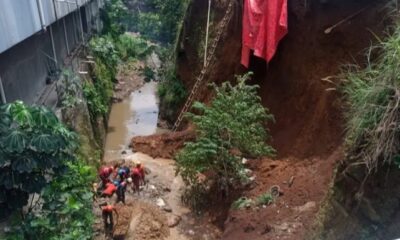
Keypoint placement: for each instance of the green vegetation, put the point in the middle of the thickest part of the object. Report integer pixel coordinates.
(241, 203)
(34, 147)
(172, 93)
(66, 212)
(234, 120)
(38, 169)
(244, 202)
(373, 96)
(265, 199)
(114, 16)
(71, 84)
(157, 20)
(133, 47)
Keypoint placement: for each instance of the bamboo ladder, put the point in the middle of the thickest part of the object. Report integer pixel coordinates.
(200, 79)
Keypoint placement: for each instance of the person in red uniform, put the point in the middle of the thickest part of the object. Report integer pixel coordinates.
(104, 174)
(107, 214)
(136, 176)
(142, 172)
(109, 190)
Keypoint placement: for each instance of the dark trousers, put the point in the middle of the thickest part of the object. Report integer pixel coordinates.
(108, 221)
(121, 194)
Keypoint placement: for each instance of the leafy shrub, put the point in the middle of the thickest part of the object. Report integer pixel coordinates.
(234, 120)
(241, 203)
(115, 18)
(68, 91)
(148, 74)
(372, 94)
(149, 25)
(265, 199)
(34, 147)
(103, 49)
(66, 212)
(94, 101)
(158, 20)
(133, 47)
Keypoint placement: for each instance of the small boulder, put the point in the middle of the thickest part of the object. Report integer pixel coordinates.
(173, 221)
(160, 203)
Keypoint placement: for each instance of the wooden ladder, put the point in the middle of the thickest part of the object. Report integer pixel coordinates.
(199, 80)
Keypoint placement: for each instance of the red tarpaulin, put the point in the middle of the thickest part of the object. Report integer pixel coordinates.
(264, 25)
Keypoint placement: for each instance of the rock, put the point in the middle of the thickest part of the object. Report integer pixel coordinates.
(167, 209)
(267, 229)
(123, 152)
(191, 232)
(167, 189)
(173, 221)
(248, 228)
(282, 227)
(306, 207)
(245, 161)
(160, 202)
(248, 172)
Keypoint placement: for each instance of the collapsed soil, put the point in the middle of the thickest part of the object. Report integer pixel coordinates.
(163, 145)
(303, 184)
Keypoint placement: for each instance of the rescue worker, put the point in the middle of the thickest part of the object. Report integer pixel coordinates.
(136, 178)
(109, 190)
(107, 215)
(123, 172)
(104, 174)
(140, 168)
(121, 189)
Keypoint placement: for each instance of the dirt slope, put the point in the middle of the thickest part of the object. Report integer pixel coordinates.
(308, 130)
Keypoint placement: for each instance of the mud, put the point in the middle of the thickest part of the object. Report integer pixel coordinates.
(163, 145)
(142, 218)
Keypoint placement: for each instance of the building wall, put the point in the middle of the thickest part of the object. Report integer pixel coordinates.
(25, 67)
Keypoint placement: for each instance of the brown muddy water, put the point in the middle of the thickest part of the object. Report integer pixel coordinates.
(135, 116)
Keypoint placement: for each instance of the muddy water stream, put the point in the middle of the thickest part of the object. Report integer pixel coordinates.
(135, 116)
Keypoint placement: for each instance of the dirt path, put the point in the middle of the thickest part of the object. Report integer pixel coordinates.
(157, 213)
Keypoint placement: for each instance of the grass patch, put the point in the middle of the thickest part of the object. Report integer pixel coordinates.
(265, 199)
(372, 95)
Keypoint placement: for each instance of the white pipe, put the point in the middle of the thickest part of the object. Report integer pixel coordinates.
(2, 94)
(66, 35)
(53, 45)
(208, 26)
(41, 17)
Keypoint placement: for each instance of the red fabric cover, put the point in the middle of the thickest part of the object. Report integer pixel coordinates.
(264, 25)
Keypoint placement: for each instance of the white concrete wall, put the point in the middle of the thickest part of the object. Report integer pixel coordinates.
(20, 19)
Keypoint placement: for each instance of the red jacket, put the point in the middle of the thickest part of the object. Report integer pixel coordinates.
(110, 189)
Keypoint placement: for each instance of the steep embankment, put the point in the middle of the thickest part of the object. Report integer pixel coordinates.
(308, 130)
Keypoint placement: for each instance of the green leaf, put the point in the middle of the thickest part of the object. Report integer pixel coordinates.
(24, 165)
(45, 143)
(21, 113)
(44, 117)
(16, 141)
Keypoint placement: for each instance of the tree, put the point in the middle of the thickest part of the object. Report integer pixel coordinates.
(234, 121)
(115, 18)
(34, 147)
